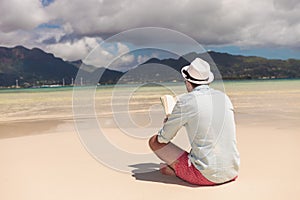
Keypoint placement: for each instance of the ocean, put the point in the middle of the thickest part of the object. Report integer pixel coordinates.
(275, 99)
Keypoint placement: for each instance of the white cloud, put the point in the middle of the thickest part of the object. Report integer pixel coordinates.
(21, 14)
(76, 50)
(233, 22)
(114, 56)
(122, 48)
(143, 58)
(15, 38)
(287, 5)
(221, 22)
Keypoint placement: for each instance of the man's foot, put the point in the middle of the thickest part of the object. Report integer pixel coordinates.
(166, 169)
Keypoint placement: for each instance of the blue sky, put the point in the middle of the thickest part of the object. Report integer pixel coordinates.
(70, 29)
(46, 2)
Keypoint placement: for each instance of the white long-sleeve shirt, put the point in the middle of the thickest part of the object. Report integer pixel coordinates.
(208, 117)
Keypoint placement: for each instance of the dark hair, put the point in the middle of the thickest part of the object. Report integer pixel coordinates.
(193, 84)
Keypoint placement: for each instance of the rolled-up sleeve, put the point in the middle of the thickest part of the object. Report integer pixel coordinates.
(175, 121)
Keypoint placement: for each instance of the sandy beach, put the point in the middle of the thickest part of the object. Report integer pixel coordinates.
(42, 156)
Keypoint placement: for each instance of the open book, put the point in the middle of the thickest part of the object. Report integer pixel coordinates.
(168, 102)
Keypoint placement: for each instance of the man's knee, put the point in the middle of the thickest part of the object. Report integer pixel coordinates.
(152, 142)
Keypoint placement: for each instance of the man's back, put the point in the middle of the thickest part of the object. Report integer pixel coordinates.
(211, 128)
(208, 117)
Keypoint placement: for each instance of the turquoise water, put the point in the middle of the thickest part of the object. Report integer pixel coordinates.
(237, 84)
(273, 97)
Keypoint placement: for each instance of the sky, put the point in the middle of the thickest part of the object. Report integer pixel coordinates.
(70, 29)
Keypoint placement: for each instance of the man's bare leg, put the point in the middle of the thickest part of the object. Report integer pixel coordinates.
(169, 153)
(166, 169)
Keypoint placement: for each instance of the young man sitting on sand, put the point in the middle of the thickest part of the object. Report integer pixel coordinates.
(208, 117)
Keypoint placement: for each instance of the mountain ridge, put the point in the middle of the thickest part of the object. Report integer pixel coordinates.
(35, 67)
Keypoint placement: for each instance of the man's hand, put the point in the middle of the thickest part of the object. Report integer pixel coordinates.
(165, 120)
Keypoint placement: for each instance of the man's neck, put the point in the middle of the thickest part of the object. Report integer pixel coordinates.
(201, 86)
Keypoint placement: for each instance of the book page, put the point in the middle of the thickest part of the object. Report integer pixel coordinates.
(168, 102)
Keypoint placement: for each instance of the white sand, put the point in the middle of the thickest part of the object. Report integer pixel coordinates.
(56, 166)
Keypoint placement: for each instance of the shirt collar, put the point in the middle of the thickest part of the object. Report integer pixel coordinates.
(201, 87)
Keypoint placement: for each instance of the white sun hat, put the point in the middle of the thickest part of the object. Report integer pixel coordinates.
(198, 72)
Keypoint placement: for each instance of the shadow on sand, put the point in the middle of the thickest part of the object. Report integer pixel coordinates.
(150, 172)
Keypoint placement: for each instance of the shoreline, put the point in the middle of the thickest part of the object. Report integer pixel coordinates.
(255, 104)
(69, 87)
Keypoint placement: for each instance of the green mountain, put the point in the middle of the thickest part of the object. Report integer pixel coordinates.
(33, 67)
(253, 67)
(239, 67)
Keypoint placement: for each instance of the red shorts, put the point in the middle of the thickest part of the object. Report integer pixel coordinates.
(190, 173)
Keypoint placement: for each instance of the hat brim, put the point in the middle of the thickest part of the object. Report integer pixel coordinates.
(209, 80)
